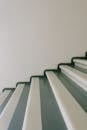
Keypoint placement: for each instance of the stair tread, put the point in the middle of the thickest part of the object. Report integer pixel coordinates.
(81, 65)
(78, 93)
(32, 120)
(2, 106)
(3, 96)
(81, 61)
(79, 77)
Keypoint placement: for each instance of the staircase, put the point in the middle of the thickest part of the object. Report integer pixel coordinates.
(56, 100)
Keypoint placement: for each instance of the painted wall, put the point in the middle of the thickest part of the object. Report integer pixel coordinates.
(38, 34)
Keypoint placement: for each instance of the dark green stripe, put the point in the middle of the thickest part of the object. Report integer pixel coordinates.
(51, 116)
(77, 92)
(5, 101)
(18, 116)
(81, 69)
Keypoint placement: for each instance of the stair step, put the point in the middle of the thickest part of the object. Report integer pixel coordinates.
(74, 116)
(32, 120)
(75, 75)
(8, 112)
(81, 63)
(50, 113)
(78, 93)
(4, 98)
(18, 116)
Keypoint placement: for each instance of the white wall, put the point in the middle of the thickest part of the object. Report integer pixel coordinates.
(38, 34)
